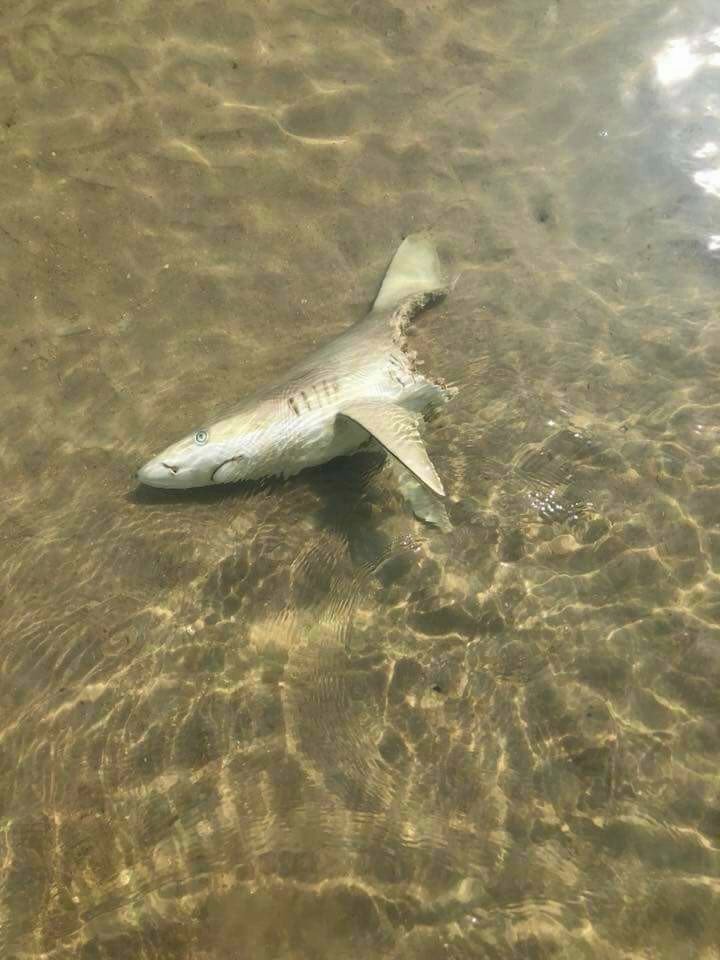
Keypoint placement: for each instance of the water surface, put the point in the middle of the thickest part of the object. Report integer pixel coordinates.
(289, 721)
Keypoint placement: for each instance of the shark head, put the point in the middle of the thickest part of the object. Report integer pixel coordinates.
(221, 453)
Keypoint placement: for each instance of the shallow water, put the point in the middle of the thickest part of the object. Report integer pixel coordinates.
(290, 721)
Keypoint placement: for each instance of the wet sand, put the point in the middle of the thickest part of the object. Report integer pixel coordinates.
(288, 721)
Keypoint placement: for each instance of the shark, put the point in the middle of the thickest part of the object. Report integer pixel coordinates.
(361, 390)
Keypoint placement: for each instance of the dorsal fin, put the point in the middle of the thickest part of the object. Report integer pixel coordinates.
(415, 268)
(396, 430)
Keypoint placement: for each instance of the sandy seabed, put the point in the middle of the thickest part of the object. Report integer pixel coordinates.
(289, 722)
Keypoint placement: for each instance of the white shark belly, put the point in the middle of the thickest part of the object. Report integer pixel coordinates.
(318, 436)
(310, 440)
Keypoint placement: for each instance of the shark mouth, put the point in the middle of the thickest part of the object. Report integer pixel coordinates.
(228, 471)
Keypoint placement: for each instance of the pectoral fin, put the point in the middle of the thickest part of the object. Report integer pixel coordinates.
(396, 430)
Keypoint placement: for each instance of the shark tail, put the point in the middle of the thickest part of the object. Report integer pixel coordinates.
(415, 268)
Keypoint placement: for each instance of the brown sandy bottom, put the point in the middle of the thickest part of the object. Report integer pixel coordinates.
(291, 722)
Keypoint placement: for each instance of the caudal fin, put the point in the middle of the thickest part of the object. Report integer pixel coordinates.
(415, 268)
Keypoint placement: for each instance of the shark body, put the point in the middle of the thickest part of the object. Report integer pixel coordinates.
(362, 388)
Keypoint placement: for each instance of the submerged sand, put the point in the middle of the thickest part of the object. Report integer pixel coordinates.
(290, 722)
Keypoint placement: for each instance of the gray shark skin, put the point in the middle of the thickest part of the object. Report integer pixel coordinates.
(361, 389)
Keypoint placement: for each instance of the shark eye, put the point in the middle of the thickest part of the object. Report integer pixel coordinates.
(201, 437)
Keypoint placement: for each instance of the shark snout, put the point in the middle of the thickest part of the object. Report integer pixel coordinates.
(158, 473)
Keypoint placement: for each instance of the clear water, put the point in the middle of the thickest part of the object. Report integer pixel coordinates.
(291, 722)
